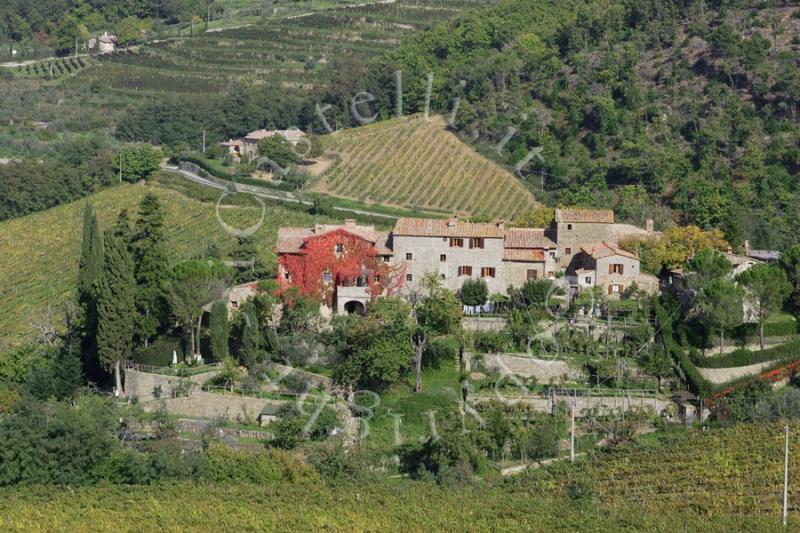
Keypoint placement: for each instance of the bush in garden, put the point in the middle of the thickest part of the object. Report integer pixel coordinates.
(474, 292)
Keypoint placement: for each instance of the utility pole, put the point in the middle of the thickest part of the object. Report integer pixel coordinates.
(785, 473)
(120, 166)
(572, 432)
(204, 141)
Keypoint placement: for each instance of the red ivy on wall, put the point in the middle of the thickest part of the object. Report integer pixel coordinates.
(344, 259)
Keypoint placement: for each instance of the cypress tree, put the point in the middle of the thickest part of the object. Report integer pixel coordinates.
(220, 330)
(251, 335)
(122, 228)
(91, 262)
(151, 273)
(89, 270)
(116, 306)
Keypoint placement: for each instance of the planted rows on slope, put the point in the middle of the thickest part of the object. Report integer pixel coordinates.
(39, 253)
(415, 162)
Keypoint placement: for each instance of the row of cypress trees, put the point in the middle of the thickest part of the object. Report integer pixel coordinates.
(122, 287)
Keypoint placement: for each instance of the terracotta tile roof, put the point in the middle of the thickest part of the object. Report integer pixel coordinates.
(599, 250)
(527, 238)
(367, 233)
(622, 231)
(426, 227)
(523, 255)
(603, 216)
(290, 239)
(289, 135)
(383, 244)
(737, 260)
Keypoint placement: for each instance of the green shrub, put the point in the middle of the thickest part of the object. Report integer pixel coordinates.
(222, 464)
(779, 325)
(335, 463)
(474, 292)
(441, 350)
(492, 341)
(159, 353)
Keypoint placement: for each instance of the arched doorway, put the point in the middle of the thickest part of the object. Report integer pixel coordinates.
(354, 307)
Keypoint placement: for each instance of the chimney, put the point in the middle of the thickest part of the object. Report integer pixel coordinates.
(451, 222)
(648, 225)
(747, 248)
(501, 224)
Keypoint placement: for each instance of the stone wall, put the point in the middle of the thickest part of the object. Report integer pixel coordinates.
(581, 234)
(201, 404)
(605, 278)
(141, 384)
(425, 257)
(517, 272)
(583, 404)
(483, 323)
(722, 375)
(544, 370)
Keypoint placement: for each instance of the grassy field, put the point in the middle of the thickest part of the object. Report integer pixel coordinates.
(398, 505)
(416, 163)
(440, 393)
(39, 253)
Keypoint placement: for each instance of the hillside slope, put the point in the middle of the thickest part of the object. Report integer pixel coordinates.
(39, 252)
(677, 111)
(414, 162)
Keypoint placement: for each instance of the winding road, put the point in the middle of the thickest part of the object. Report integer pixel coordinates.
(261, 192)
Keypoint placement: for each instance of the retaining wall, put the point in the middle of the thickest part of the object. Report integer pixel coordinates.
(141, 384)
(722, 375)
(202, 404)
(544, 370)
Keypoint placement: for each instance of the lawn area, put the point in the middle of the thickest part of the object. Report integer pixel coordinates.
(440, 392)
(39, 252)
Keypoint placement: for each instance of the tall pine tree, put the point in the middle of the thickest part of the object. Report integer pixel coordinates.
(89, 270)
(152, 272)
(116, 306)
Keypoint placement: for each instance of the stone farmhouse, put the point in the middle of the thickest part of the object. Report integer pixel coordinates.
(104, 44)
(348, 265)
(249, 145)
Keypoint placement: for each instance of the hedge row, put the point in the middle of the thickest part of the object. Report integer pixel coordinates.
(782, 328)
(743, 357)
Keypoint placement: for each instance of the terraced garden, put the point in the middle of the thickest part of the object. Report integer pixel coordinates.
(288, 52)
(51, 69)
(39, 253)
(422, 165)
